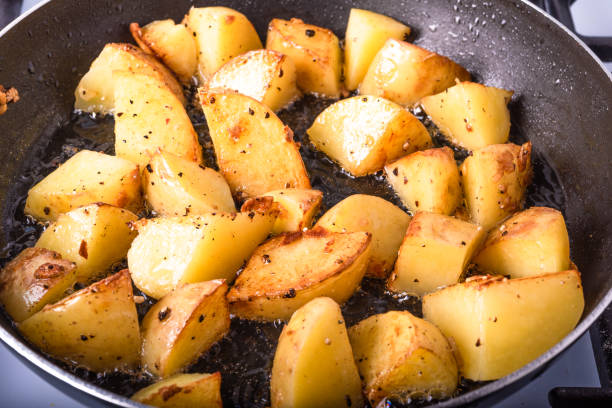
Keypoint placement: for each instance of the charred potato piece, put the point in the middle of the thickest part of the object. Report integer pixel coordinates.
(95, 328)
(87, 177)
(291, 269)
(365, 132)
(183, 325)
(315, 52)
(400, 357)
(183, 391)
(404, 73)
(313, 364)
(499, 324)
(386, 222)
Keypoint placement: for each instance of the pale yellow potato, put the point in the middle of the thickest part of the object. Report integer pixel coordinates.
(87, 177)
(495, 180)
(265, 75)
(315, 52)
(386, 222)
(183, 325)
(93, 237)
(297, 208)
(313, 364)
(293, 268)
(176, 186)
(183, 391)
(427, 180)
(400, 357)
(366, 33)
(173, 44)
(404, 73)
(176, 250)
(33, 279)
(498, 325)
(221, 34)
(363, 133)
(96, 90)
(149, 117)
(95, 328)
(255, 151)
(530, 243)
(471, 115)
(435, 252)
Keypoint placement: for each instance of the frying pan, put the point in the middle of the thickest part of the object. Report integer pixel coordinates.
(562, 104)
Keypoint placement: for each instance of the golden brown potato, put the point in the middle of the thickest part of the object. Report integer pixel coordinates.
(366, 33)
(495, 180)
(314, 365)
(93, 237)
(183, 391)
(148, 117)
(427, 181)
(386, 222)
(255, 151)
(33, 279)
(434, 253)
(95, 328)
(176, 186)
(291, 269)
(532, 242)
(183, 325)
(404, 73)
(315, 52)
(96, 90)
(400, 357)
(471, 115)
(365, 132)
(265, 75)
(499, 324)
(87, 177)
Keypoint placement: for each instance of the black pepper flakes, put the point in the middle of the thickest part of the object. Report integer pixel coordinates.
(310, 33)
(84, 337)
(163, 314)
(180, 174)
(396, 171)
(46, 210)
(149, 168)
(266, 258)
(212, 100)
(267, 115)
(348, 400)
(478, 343)
(251, 112)
(201, 318)
(281, 73)
(290, 294)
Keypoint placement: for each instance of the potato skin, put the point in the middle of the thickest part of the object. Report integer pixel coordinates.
(183, 390)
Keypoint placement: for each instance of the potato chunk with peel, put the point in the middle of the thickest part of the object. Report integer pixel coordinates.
(96, 90)
(183, 391)
(315, 52)
(435, 252)
(498, 324)
(221, 34)
(366, 33)
(427, 181)
(363, 133)
(95, 328)
(147, 118)
(386, 222)
(532, 242)
(471, 115)
(87, 177)
(183, 325)
(314, 365)
(93, 237)
(33, 279)
(265, 75)
(175, 250)
(400, 357)
(291, 269)
(255, 150)
(495, 180)
(176, 186)
(404, 73)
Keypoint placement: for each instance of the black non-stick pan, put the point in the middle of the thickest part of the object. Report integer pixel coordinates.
(562, 103)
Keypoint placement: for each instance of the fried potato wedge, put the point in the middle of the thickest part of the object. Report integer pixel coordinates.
(87, 177)
(183, 325)
(183, 391)
(291, 269)
(313, 364)
(400, 357)
(95, 328)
